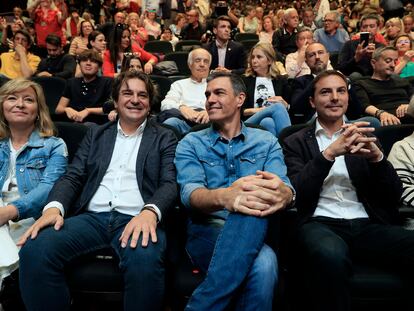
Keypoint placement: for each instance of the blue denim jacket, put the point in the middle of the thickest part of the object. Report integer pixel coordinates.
(38, 166)
(205, 160)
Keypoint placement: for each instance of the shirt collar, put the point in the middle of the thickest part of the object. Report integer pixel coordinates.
(196, 82)
(138, 131)
(221, 46)
(215, 135)
(319, 130)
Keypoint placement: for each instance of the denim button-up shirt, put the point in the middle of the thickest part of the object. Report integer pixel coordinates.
(42, 161)
(206, 160)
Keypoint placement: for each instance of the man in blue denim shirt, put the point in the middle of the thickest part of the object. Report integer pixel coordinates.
(231, 178)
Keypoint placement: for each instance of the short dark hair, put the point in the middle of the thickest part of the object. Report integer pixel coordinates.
(236, 81)
(124, 77)
(54, 40)
(90, 55)
(221, 18)
(92, 37)
(327, 73)
(369, 16)
(378, 52)
(26, 34)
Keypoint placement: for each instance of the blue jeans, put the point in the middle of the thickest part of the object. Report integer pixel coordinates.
(273, 118)
(42, 262)
(239, 264)
(179, 124)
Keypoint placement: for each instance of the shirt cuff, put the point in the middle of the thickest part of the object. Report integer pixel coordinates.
(56, 204)
(156, 209)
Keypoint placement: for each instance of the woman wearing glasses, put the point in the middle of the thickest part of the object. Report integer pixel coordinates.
(119, 45)
(405, 66)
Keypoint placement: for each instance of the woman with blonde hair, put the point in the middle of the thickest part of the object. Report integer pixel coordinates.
(31, 160)
(405, 64)
(393, 28)
(267, 89)
(249, 22)
(268, 28)
(139, 34)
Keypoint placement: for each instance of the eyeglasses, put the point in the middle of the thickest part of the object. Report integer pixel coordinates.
(328, 20)
(129, 54)
(404, 41)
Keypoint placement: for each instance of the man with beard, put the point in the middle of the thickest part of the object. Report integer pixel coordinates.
(385, 95)
(317, 58)
(56, 64)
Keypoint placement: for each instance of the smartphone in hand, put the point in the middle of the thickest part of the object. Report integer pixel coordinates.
(364, 39)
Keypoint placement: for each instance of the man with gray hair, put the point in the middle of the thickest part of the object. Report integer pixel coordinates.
(284, 39)
(385, 95)
(331, 36)
(183, 106)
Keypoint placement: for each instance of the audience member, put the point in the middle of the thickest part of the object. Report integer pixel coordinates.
(401, 157)
(308, 19)
(57, 63)
(47, 20)
(331, 35)
(80, 43)
(178, 25)
(249, 23)
(317, 59)
(408, 21)
(84, 96)
(184, 104)
(267, 91)
(295, 62)
(227, 55)
(97, 42)
(139, 34)
(364, 7)
(355, 56)
(347, 197)
(150, 24)
(119, 44)
(405, 62)
(194, 29)
(268, 28)
(284, 38)
(118, 188)
(385, 95)
(230, 201)
(32, 160)
(70, 26)
(19, 63)
(108, 27)
(393, 28)
(321, 8)
(9, 30)
(167, 35)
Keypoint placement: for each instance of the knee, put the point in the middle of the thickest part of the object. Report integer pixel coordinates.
(331, 258)
(172, 122)
(268, 124)
(37, 252)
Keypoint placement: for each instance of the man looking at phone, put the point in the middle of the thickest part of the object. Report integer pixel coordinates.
(355, 56)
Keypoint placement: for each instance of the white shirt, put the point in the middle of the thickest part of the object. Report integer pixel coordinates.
(338, 198)
(221, 51)
(118, 190)
(185, 92)
(262, 91)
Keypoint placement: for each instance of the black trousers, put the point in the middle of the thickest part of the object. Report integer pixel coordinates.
(327, 247)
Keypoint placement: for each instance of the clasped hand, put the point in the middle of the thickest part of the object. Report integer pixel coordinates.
(258, 195)
(354, 140)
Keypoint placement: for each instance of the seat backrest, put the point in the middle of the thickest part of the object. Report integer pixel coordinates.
(248, 44)
(72, 134)
(287, 131)
(180, 58)
(389, 135)
(163, 84)
(53, 88)
(246, 36)
(187, 45)
(156, 46)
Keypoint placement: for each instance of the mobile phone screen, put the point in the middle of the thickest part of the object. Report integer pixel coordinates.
(364, 37)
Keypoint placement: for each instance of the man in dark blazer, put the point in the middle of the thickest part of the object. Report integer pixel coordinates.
(117, 190)
(347, 197)
(227, 55)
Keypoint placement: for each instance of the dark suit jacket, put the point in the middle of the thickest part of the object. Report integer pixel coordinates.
(301, 110)
(155, 168)
(377, 184)
(235, 56)
(280, 86)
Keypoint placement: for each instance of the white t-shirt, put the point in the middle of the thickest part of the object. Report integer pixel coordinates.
(262, 91)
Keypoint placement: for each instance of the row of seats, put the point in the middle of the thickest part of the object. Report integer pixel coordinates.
(96, 278)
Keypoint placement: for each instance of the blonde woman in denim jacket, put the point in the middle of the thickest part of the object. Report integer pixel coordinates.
(31, 160)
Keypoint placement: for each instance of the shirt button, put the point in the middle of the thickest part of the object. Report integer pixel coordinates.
(231, 165)
(21, 170)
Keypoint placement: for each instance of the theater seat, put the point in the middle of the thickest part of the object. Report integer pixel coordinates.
(53, 88)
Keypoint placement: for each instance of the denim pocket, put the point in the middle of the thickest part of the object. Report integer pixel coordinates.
(35, 168)
(250, 163)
